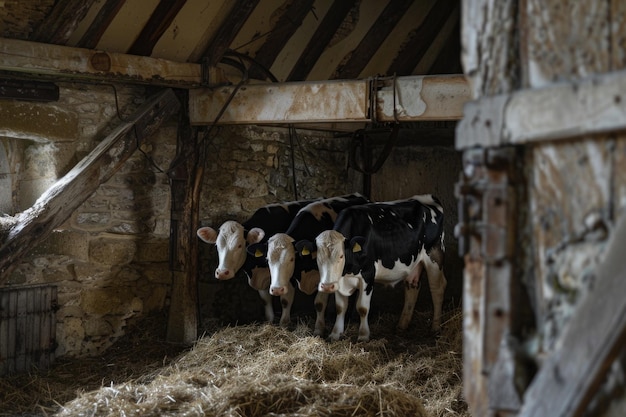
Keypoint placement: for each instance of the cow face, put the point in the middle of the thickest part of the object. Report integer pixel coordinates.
(281, 258)
(330, 259)
(231, 246)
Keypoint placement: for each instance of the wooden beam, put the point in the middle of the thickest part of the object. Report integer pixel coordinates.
(592, 106)
(98, 66)
(374, 38)
(158, 23)
(420, 40)
(591, 341)
(58, 26)
(228, 30)
(56, 205)
(282, 31)
(105, 16)
(417, 98)
(320, 39)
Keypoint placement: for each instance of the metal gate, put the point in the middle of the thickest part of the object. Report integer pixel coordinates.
(27, 327)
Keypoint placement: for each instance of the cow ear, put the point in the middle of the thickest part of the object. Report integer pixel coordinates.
(356, 244)
(257, 250)
(255, 235)
(207, 234)
(305, 247)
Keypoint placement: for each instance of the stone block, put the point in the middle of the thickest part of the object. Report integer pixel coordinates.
(97, 327)
(108, 301)
(112, 251)
(154, 250)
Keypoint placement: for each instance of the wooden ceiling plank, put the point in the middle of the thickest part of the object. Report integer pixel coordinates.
(159, 21)
(69, 192)
(228, 30)
(100, 24)
(276, 40)
(62, 21)
(374, 38)
(324, 33)
(98, 66)
(420, 40)
(448, 59)
(417, 98)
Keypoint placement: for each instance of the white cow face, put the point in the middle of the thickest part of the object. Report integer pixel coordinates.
(231, 246)
(330, 259)
(281, 258)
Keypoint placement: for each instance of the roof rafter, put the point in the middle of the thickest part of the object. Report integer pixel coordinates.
(158, 23)
(320, 39)
(62, 21)
(374, 38)
(420, 40)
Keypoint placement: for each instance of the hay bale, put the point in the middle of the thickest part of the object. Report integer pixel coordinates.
(259, 370)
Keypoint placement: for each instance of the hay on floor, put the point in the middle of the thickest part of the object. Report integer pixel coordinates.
(259, 370)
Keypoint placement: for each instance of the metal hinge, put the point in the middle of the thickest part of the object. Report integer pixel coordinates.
(486, 198)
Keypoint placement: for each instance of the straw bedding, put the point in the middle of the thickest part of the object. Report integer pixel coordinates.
(258, 370)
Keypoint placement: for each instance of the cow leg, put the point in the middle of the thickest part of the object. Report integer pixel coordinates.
(437, 284)
(341, 305)
(363, 307)
(269, 309)
(321, 301)
(411, 291)
(286, 301)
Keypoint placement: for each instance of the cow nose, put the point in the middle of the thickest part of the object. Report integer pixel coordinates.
(277, 290)
(328, 287)
(222, 273)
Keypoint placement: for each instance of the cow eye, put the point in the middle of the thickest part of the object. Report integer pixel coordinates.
(340, 256)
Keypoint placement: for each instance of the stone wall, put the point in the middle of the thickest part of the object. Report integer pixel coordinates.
(109, 260)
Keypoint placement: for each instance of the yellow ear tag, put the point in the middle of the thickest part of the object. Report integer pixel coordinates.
(258, 253)
(356, 248)
(306, 251)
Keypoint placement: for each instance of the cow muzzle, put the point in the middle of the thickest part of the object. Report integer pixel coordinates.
(328, 288)
(278, 291)
(223, 274)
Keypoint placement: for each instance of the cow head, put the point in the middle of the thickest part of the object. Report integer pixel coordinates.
(334, 252)
(231, 243)
(281, 258)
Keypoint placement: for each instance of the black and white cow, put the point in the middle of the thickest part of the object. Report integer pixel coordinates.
(289, 267)
(385, 243)
(232, 239)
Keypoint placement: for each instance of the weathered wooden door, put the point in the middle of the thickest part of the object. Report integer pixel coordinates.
(542, 206)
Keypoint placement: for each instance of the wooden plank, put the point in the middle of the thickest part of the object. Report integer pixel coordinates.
(103, 19)
(320, 39)
(374, 38)
(77, 63)
(419, 41)
(69, 192)
(490, 49)
(592, 339)
(417, 98)
(158, 23)
(59, 25)
(276, 40)
(592, 106)
(228, 30)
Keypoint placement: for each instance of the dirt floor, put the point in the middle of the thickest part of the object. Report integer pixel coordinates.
(255, 370)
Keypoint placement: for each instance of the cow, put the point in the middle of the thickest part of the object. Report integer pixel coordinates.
(288, 270)
(232, 238)
(386, 243)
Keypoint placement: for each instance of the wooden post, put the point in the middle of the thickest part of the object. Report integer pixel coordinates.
(185, 181)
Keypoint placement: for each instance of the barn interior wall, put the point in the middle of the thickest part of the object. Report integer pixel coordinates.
(250, 167)
(109, 259)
